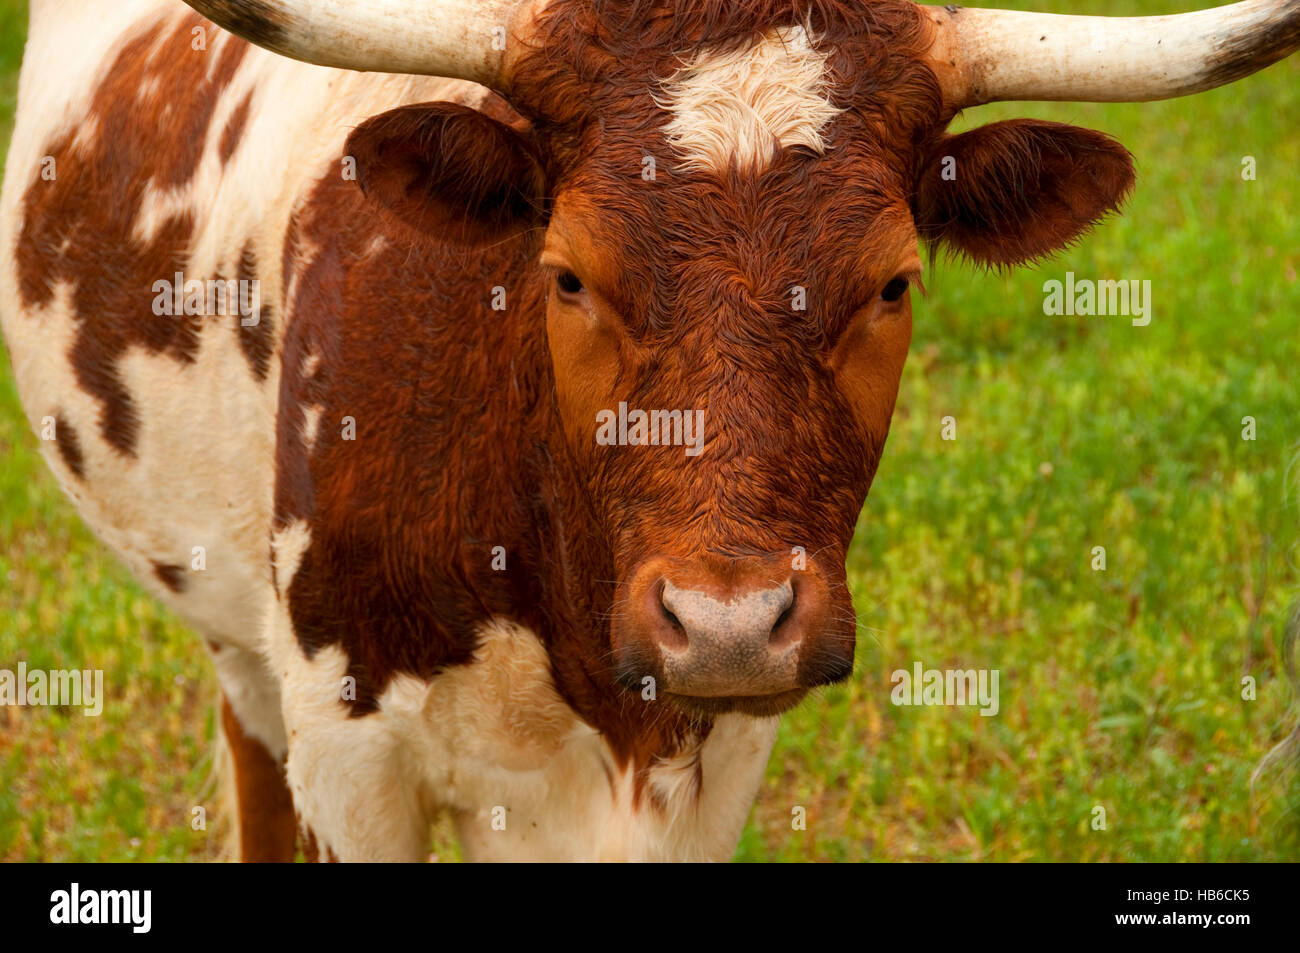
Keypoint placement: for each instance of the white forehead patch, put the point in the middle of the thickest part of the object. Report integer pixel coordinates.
(742, 105)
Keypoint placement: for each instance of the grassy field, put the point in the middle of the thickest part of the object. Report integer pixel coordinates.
(1120, 689)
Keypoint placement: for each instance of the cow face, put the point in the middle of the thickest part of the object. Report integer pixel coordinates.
(728, 248)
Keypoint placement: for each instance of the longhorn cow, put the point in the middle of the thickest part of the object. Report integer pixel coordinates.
(330, 304)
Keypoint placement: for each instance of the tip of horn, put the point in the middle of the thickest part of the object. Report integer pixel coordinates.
(984, 55)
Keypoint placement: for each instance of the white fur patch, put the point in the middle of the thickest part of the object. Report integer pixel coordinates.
(287, 546)
(494, 742)
(253, 692)
(741, 106)
(311, 425)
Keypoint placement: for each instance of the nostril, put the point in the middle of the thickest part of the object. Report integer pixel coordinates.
(670, 633)
(783, 632)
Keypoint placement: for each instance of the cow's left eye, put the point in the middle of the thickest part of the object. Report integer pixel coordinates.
(568, 283)
(894, 290)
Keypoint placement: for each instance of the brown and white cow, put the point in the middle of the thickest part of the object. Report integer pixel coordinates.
(377, 487)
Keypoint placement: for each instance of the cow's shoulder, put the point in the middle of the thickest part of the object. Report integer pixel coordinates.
(402, 436)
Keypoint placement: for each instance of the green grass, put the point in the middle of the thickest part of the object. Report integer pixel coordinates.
(1119, 689)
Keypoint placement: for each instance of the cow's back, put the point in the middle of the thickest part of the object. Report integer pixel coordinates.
(153, 152)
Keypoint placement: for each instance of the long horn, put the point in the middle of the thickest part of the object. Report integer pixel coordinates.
(984, 56)
(462, 39)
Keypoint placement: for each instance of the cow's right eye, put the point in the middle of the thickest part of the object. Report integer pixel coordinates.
(568, 283)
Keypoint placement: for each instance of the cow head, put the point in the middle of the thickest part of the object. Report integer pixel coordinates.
(725, 202)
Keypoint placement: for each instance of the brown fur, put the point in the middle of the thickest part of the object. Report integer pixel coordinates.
(69, 446)
(257, 336)
(234, 131)
(267, 823)
(171, 576)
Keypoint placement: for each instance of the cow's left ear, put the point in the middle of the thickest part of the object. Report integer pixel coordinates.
(449, 171)
(1010, 192)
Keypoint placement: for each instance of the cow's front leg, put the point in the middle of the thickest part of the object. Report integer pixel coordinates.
(254, 736)
(352, 780)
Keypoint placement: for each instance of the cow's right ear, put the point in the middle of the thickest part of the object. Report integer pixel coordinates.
(449, 172)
